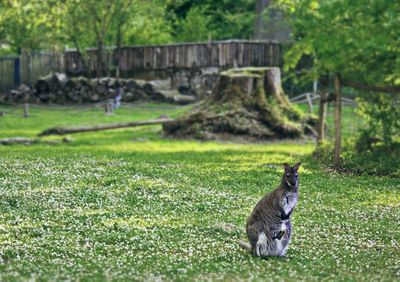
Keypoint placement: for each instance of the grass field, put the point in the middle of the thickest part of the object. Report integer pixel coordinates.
(130, 205)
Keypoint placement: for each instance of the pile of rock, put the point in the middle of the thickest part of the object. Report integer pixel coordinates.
(59, 89)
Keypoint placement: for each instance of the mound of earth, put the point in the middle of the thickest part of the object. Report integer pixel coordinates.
(247, 102)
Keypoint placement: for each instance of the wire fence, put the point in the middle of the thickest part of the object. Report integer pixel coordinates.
(307, 97)
(351, 122)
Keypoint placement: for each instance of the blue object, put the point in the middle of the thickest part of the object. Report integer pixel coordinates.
(117, 98)
(17, 72)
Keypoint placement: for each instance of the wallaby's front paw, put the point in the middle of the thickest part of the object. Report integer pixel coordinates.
(280, 234)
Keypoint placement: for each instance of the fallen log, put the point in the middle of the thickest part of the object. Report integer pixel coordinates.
(184, 99)
(64, 131)
(18, 140)
(30, 141)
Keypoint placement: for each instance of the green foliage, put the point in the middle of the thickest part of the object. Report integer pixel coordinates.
(29, 24)
(356, 38)
(195, 26)
(382, 118)
(74, 30)
(131, 22)
(125, 204)
(362, 159)
(380, 160)
(44, 24)
(363, 151)
(147, 24)
(225, 19)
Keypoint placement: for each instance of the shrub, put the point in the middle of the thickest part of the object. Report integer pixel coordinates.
(195, 27)
(382, 118)
(376, 147)
(380, 159)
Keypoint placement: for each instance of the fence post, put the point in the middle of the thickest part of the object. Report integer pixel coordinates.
(235, 64)
(109, 107)
(322, 115)
(338, 118)
(315, 86)
(309, 100)
(17, 72)
(26, 110)
(310, 104)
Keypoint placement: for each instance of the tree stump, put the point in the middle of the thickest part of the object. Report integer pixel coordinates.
(247, 102)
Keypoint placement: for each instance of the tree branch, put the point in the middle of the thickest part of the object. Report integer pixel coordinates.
(364, 86)
(374, 88)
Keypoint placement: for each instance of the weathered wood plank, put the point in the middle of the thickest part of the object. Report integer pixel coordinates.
(222, 54)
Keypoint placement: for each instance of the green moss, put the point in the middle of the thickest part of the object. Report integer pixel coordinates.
(234, 74)
(248, 72)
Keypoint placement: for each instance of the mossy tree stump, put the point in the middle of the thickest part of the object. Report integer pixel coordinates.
(246, 102)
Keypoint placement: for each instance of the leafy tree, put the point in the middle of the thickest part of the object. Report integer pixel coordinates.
(227, 19)
(113, 23)
(270, 23)
(382, 119)
(195, 25)
(349, 37)
(99, 15)
(74, 29)
(28, 24)
(357, 42)
(148, 23)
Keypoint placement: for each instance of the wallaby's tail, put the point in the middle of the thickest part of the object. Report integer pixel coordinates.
(245, 246)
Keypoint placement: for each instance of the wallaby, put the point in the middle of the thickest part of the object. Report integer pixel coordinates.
(268, 228)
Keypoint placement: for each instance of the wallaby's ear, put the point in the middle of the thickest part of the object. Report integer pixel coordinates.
(296, 166)
(287, 167)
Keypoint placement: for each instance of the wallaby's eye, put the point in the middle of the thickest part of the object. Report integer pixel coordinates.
(296, 175)
(287, 174)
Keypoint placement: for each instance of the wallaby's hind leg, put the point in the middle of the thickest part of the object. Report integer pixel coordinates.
(252, 235)
(262, 246)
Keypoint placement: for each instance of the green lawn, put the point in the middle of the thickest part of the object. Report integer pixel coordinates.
(129, 205)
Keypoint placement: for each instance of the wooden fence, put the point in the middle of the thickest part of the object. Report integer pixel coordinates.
(28, 67)
(8, 72)
(222, 54)
(37, 64)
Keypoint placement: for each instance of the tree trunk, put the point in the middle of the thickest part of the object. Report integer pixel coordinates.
(270, 23)
(245, 102)
(51, 82)
(99, 65)
(261, 6)
(18, 140)
(28, 141)
(322, 115)
(338, 117)
(80, 56)
(117, 54)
